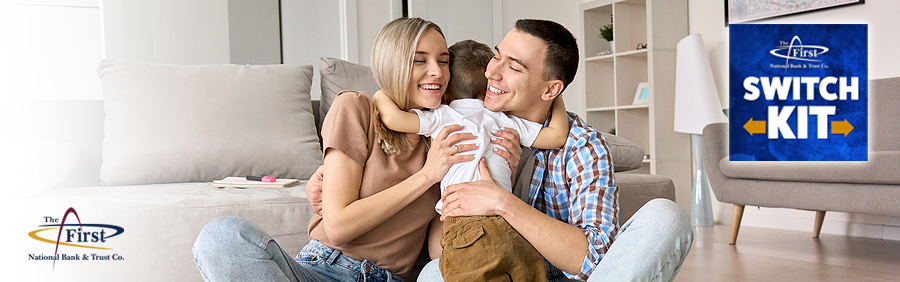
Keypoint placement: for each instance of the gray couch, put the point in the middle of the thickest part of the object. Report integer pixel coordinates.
(158, 190)
(871, 187)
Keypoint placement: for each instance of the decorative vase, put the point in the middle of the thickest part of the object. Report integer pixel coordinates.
(612, 46)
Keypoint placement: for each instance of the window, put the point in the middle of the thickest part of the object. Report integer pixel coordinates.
(50, 49)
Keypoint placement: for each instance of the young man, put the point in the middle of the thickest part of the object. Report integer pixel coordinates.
(570, 215)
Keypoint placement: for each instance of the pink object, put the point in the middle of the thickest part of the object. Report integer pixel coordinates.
(268, 179)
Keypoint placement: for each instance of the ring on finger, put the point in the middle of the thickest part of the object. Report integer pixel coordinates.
(457, 148)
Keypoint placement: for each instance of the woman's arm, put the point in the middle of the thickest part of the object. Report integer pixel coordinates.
(393, 117)
(555, 134)
(347, 216)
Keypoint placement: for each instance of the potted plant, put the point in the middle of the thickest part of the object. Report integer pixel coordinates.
(606, 32)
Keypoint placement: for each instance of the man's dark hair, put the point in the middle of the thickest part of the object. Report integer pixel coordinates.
(468, 61)
(561, 61)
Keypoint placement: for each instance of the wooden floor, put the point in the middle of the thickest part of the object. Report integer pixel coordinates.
(763, 254)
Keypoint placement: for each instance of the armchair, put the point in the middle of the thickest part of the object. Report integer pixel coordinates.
(871, 187)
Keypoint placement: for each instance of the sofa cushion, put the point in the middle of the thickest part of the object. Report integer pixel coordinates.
(338, 75)
(168, 123)
(635, 190)
(625, 154)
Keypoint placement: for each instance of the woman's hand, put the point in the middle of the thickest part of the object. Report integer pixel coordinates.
(508, 138)
(444, 152)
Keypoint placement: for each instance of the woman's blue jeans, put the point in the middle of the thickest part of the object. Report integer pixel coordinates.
(233, 249)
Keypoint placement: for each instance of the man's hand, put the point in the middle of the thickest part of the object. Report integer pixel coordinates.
(482, 197)
(314, 189)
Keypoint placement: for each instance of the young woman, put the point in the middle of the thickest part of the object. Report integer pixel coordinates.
(379, 191)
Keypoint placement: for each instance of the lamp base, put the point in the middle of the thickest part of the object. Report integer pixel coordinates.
(701, 206)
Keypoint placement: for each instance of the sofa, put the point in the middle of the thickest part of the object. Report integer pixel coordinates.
(870, 187)
(167, 131)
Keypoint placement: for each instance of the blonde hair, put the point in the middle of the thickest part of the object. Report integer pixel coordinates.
(392, 59)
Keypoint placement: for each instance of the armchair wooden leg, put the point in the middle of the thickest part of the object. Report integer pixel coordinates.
(736, 214)
(820, 217)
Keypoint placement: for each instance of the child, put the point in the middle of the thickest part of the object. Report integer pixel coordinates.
(479, 248)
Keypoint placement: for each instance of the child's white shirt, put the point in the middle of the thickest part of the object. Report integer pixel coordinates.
(480, 121)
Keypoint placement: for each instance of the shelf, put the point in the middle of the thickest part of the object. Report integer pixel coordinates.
(630, 72)
(641, 106)
(600, 91)
(608, 57)
(630, 24)
(601, 109)
(611, 80)
(603, 121)
(596, 15)
(625, 107)
(632, 53)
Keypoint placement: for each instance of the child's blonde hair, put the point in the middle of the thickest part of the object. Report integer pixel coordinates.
(392, 59)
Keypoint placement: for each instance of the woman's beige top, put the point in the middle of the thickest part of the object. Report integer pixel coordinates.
(394, 244)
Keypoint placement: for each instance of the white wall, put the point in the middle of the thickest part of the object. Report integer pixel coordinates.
(311, 30)
(468, 19)
(460, 19)
(167, 31)
(707, 18)
(371, 16)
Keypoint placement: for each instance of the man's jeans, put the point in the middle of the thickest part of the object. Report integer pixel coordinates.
(233, 249)
(650, 247)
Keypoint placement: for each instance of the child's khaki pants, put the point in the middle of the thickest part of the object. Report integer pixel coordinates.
(487, 248)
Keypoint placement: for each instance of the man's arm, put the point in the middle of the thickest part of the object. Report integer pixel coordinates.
(564, 245)
(393, 117)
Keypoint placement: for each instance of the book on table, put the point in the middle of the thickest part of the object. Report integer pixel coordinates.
(242, 182)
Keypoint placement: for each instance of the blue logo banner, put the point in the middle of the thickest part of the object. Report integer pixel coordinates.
(798, 92)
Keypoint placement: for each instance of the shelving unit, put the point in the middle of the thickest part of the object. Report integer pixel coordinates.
(611, 80)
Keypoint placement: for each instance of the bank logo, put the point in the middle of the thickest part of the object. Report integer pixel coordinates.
(78, 235)
(791, 101)
(789, 51)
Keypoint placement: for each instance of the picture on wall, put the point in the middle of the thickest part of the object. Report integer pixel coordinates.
(738, 11)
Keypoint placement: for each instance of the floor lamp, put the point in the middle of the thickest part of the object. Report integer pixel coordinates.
(696, 105)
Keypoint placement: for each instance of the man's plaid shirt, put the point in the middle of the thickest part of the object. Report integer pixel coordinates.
(575, 184)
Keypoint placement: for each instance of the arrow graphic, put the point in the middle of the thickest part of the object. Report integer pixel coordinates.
(841, 127)
(755, 126)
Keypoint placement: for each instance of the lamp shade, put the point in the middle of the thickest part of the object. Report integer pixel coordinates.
(696, 99)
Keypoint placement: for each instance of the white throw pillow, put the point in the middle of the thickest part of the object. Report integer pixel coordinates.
(169, 123)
